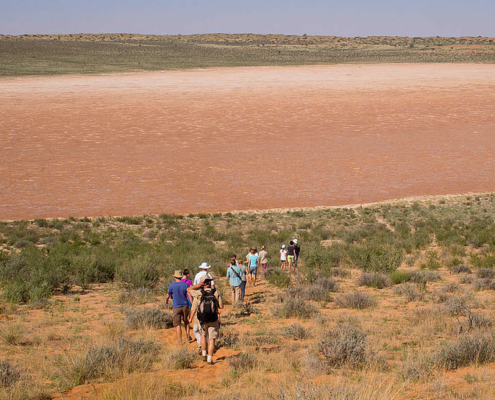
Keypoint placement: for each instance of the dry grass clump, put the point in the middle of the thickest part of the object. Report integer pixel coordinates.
(408, 290)
(345, 345)
(243, 361)
(148, 318)
(179, 358)
(13, 333)
(417, 366)
(340, 273)
(149, 387)
(474, 349)
(136, 296)
(9, 374)
(375, 280)
(227, 339)
(295, 308)
(296, 332)
(479, 321)
(111, 361)
(319, 290)
(357, 300)
(277, 277)
(484, 284)
(455, 306)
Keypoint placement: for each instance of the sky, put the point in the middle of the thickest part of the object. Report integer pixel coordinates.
(291, 17)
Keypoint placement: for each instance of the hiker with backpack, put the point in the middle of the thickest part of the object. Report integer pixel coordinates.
(234, 273)
(178, 292)
(205, 311)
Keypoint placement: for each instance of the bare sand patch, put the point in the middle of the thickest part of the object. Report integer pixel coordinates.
(243, 138)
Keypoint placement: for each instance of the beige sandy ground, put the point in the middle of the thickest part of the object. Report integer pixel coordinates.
(243, 138)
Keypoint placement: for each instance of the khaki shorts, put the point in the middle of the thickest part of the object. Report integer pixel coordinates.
(180, 313)
(290, 258)
(210, 329)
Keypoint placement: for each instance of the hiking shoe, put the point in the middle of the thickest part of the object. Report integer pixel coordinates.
(210, 362)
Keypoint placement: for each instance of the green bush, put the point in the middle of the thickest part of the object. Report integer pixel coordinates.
(277, 277)
(141, 272)
(398, 277)
(295, 308)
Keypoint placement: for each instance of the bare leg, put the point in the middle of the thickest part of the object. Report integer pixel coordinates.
(179, 333)
(211, 347)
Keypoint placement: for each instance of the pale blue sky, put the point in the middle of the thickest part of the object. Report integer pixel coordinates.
(313, 17)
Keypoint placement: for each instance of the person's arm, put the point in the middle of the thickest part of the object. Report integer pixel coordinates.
(194, 308)
(167, 298)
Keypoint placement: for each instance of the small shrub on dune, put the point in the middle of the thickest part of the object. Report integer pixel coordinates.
(296, 331)
(243, 362)
(474, 349)
(340, 273)
(375, 280)
(148, 318)
(409, 290)
(460, 269)
(485, 273)
(484, 284)
(357, 300)
(180, 358)
(425, 276)
(345, 345)
(227, 339)
(295, 308)
(398, 277)
(277, 277)
(111, 361)
(418, 366)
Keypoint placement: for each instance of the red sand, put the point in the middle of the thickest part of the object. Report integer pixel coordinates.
(243, 138)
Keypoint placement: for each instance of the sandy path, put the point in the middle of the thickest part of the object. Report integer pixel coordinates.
(244, 138)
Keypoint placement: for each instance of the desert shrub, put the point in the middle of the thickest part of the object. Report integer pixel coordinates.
(319, 290)
(417, 366)
(296, 331)
(466, 350)
(455, 306)
(111, 361)
(340, 273)
(295, 308)
(466, 279)
(9, 374)
(398, 277)
(243, 362)
(485, 273)
(375, 280)
(358, 300)
(345, 345)
(243, 309)
(148, 318)
(410, 291)
(450, 288)
(138, 273)
(179, 358)
(260, 339)
(317, 257)
(484, 284)
(425, 276)
(277, 277)
(375, 257)
(460, 269)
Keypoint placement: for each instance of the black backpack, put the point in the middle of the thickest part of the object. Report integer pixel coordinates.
(207, 310)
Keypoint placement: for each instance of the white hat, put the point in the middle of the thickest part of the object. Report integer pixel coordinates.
(283, 246)
(295, 240)
(204, 265)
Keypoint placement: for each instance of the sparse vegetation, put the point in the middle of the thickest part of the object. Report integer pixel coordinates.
(356, 299)
(148, 318)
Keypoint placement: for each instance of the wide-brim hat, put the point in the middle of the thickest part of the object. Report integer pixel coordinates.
(178, 274)
(295, 240)
(204, 266)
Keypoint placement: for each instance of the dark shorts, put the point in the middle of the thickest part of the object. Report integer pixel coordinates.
(253, 270)
(180, 313)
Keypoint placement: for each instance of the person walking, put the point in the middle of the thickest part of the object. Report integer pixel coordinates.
(283, 257)
(204, 267)
(178, 292)
(243, 269)
(263, 259)
(253, 263)
(298, 250)
(291, 254)
(205, 310)
(234, 273)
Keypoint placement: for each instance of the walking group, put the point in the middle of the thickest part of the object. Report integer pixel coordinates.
(198, 303)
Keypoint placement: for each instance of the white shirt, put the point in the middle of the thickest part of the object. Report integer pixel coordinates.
(283, 254)
(199, 275)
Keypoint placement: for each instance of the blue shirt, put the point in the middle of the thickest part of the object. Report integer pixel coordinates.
(253, 259)
(178, 292)
(234, 280)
